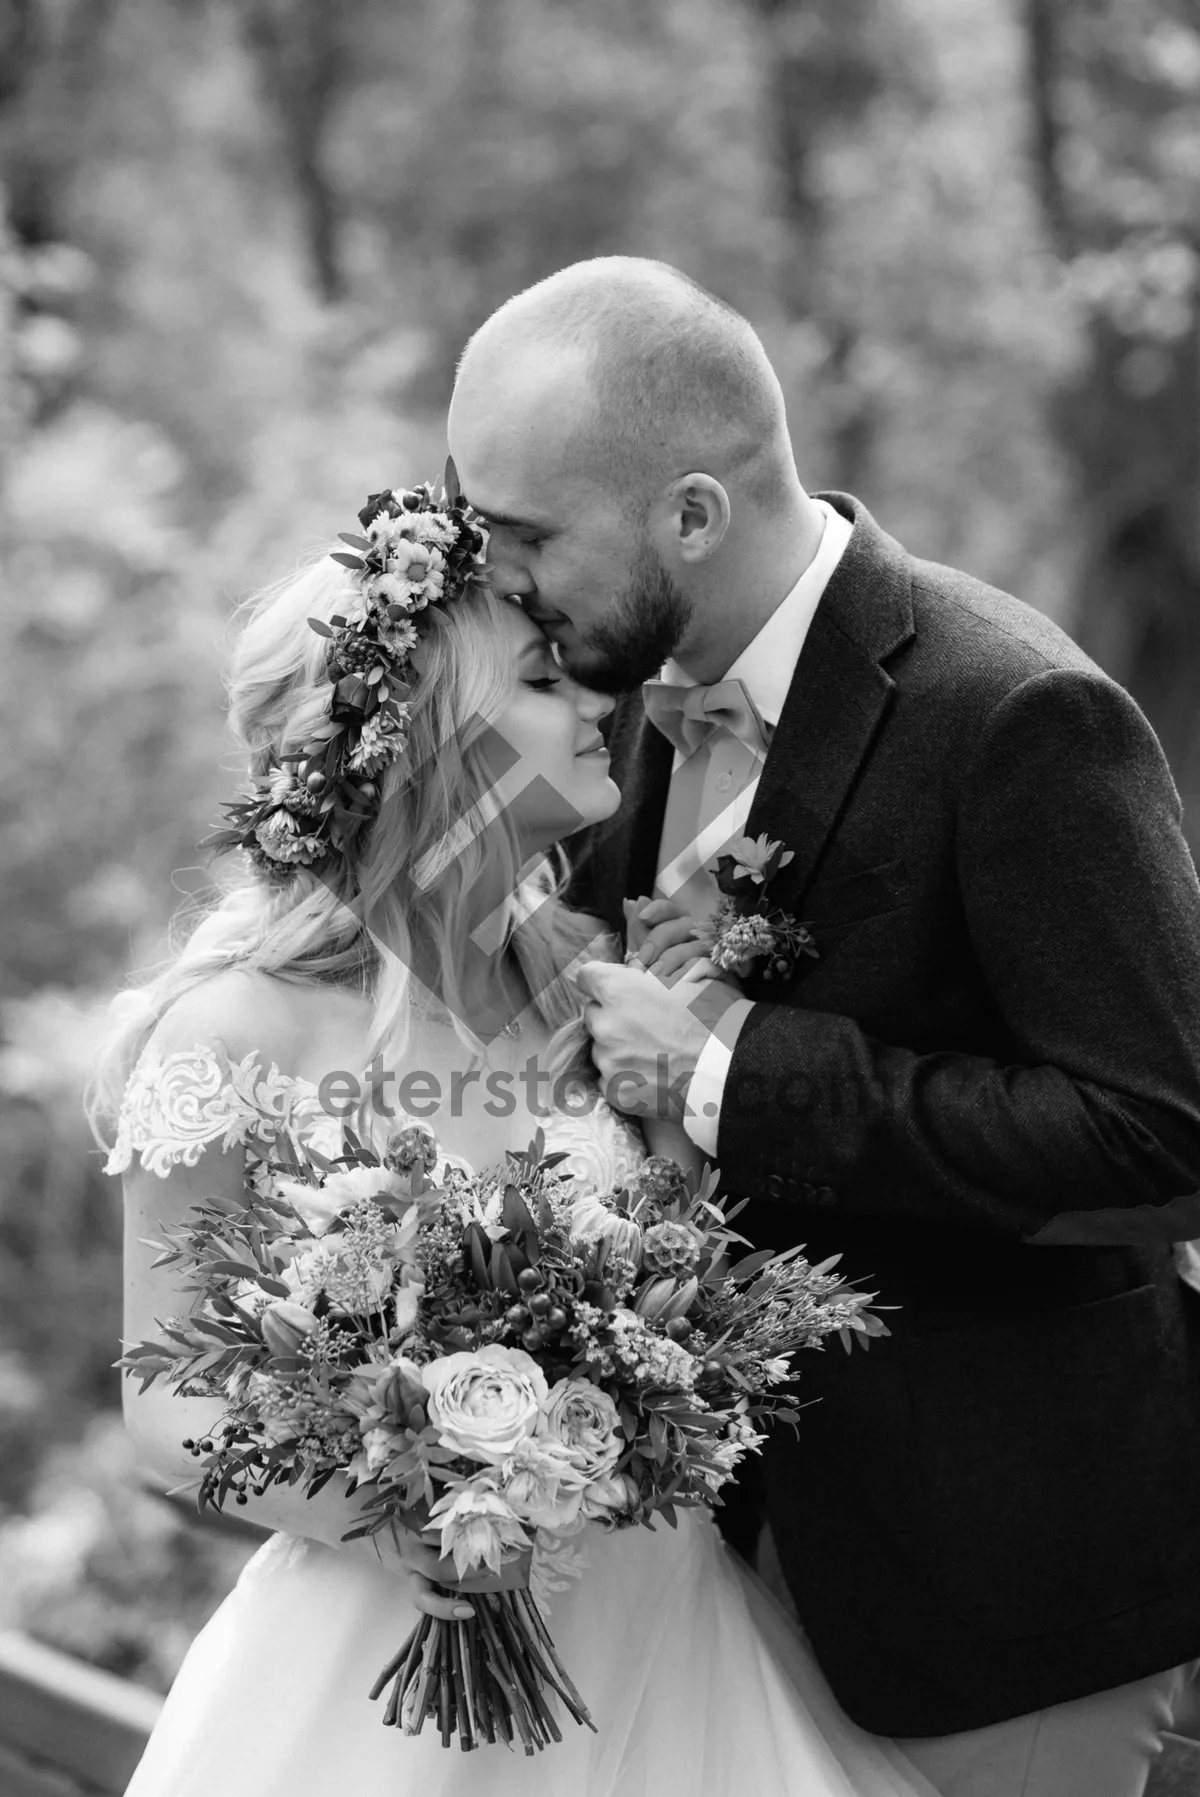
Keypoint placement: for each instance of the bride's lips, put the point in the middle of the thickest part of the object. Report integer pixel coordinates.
(599, 747)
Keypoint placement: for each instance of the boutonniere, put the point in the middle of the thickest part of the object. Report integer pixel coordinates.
(748, 927)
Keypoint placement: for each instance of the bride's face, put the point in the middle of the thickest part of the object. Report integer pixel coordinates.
(551, 764)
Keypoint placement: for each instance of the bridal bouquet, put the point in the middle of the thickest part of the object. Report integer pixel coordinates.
(494, 1360)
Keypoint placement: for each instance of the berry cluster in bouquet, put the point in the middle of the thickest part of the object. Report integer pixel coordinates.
(495, 1360)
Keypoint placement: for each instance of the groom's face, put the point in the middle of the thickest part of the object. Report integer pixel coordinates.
(563, 543)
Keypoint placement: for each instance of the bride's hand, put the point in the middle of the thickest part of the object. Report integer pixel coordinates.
(659, 935)
(406, 1553)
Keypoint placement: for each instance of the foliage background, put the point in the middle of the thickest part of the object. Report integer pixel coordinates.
(240, 245)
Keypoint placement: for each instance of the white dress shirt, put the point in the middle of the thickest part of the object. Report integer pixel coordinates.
(765, 667)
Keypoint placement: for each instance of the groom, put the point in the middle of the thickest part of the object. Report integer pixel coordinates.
(983, 1090)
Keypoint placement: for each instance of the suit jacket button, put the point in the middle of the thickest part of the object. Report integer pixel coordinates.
(826, 1197)
(775, 1186)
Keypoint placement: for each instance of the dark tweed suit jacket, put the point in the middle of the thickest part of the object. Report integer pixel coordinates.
(986, 1094)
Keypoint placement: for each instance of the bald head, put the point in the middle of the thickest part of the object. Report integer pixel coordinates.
(666, 379)
(623, 435)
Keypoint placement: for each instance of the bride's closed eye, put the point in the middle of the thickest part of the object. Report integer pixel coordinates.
(545, 682)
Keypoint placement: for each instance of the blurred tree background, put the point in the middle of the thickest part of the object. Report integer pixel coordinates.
(240, 246)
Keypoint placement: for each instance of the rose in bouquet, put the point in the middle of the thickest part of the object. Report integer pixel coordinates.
(494, 1360)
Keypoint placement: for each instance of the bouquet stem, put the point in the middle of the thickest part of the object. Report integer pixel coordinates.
(487, 1677)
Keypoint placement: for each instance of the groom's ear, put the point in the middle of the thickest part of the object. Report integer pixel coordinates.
(699, 514)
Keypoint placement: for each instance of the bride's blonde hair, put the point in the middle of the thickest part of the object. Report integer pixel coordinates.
(417, 885)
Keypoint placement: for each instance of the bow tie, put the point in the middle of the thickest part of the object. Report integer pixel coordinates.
(687, 715)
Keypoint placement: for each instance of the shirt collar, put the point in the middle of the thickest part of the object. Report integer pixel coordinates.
(768, 662)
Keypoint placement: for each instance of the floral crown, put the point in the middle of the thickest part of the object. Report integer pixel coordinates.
(311, 804)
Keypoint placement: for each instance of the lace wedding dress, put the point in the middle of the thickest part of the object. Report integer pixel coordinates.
(696, 1679)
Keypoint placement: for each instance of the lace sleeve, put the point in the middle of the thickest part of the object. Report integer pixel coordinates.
(177, 1105)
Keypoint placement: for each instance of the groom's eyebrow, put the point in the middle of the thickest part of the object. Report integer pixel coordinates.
(508, 521)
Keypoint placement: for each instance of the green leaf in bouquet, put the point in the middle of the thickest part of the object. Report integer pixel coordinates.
(209, 1326)
(681, 1303)
(223, 1483)
(515, 1216)
(175, 1335)
(745, 1270)
(503, 1276)
(693, 1419)
(710, 1179)
(275, 1288)
(143, 1351)
(354, 1149)
(224, 1206)
(478, 1245)
(285, 1155)
(146, 1375)
(760, 1289)
(232, 1269)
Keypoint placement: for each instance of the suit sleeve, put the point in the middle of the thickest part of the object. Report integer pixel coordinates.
(1082, 907)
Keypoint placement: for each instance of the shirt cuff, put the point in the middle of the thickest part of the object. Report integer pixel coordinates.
(702, 1114)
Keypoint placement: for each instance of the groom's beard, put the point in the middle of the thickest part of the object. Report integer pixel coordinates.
(644, 626)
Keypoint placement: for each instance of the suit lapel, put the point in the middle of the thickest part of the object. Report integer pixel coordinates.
(838, 698)
(623, 854)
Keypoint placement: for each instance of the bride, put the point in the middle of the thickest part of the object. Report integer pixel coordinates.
(417, 926)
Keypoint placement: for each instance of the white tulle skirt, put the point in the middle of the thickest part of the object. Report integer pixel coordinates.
(696, 1679)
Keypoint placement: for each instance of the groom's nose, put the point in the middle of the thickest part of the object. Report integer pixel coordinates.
(509, 571)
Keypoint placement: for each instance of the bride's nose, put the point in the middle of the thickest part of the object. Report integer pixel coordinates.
(592, 706)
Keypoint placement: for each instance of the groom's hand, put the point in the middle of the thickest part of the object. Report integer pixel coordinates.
(647, 1037)
(659, 934)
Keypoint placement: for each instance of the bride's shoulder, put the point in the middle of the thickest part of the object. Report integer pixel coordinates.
(217, 1070)
(242, 1009)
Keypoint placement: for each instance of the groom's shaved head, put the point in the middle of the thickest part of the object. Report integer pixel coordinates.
(676, 381)
(623, 435)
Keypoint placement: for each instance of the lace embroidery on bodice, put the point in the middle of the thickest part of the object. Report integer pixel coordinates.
(177, 1105)
(603, 1150)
